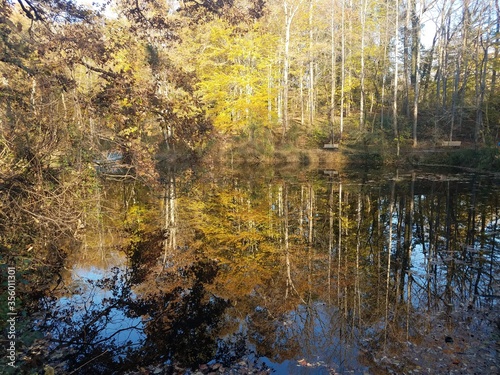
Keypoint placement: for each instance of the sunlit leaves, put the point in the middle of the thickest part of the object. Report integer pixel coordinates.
(233, 69)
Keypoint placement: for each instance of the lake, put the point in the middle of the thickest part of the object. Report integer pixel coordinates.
(290, 271)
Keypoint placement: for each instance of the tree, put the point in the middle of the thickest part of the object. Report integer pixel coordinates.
(396, 78)
(233, 70)
(290, 10)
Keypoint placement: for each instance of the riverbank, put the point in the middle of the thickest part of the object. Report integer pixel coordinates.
(358, 154)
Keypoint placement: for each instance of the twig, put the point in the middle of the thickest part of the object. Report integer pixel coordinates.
(86, 363)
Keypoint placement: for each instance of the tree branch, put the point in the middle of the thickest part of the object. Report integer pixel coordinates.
(32, 13)
(106, 73)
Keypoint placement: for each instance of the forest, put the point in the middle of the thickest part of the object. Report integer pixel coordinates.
(120, 121)
(145, 77)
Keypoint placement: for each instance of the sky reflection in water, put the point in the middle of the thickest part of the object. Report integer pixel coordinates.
(301, 260)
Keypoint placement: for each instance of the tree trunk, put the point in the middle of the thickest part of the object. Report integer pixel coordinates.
(384, 62)
(290, 12)
(395, 98)
(334, 76)
(311, 65)
(362, 72)
(286, 68)
(416, 16)
(342, 70)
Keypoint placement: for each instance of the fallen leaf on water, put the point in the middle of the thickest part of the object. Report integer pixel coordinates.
(302, 362)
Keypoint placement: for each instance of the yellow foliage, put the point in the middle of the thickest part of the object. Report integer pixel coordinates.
(234, 75)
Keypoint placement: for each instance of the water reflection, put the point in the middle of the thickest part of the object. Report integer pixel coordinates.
(311, 272)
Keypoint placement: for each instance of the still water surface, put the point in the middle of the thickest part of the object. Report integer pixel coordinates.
(304, 272)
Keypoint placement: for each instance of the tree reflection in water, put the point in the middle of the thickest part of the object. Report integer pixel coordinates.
(120, 329)
(305, 272)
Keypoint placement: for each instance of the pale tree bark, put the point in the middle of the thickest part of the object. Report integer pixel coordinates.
(269, 93)
(362, 72)
(407, 56)
(301, 211)
(461, 68)
(170, 219)
(311, 65)
(483, 45)
(301, 93)
(496, 46)
(478, 76)
(342, 70)
(33, 96)
(427, 67)
(443, 39)
(384, 62)
(416, 17)
(349, 44)
(334, 74)
(290, 9)
(396, 73)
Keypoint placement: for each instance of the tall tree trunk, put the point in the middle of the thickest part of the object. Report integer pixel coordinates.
(334, 75)
(384, 62)
(311, 65)
(342, 70)
(301, 93)
(349, 59)
(407, 56)
(427, 69)
(290, 9)
(482, 126)
(362, 72)
(269, 91)
(455, 100)
(416, 16)
(442, 52)
(493, 81)
(395, 98)
(479, 74)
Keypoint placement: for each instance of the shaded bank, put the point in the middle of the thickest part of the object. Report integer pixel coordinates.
(358, 154)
